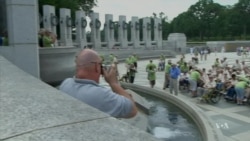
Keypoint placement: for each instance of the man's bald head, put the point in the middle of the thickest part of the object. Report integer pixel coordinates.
(87, 56)
(88, 65)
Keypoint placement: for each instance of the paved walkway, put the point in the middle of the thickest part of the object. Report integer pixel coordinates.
(233, 120)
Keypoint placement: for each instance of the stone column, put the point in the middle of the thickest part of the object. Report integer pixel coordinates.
(23, 35)
(81, 24)
(65, 27)
(109, 30)
(95, 26)
(135, 32)
(122, 32)
(50, 20)
(147, 32)
(158, 32)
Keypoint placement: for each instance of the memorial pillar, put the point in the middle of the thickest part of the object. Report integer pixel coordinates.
(50, 20)
(135, 32)
(122, 32)
(65, 27)
(95, 25)
(81, 24)
(147, 32)
(109, 30)
(158, 32)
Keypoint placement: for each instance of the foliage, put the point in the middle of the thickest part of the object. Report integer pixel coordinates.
(74, 5)
(206, 20)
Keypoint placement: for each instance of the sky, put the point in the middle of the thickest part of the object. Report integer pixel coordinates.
(146, 8)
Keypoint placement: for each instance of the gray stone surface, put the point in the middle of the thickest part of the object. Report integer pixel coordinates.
(230, 126)
(32, 110)
(108, 129)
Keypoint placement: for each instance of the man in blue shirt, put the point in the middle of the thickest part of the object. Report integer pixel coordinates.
(174, 74)
(85, 87)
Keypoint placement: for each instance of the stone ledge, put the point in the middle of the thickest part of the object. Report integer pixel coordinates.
(33, 110)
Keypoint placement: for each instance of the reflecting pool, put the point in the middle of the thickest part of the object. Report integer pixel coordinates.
(170, 123)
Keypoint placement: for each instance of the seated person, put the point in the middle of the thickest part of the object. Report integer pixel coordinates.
(207, 87)
(183, 81)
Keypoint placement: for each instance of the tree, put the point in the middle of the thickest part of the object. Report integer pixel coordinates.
(74, 5)
(206, 13)
(242, 9)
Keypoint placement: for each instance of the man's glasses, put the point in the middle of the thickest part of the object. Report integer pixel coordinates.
(89, 63)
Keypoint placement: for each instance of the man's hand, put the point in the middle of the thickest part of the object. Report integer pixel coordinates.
(110, 75)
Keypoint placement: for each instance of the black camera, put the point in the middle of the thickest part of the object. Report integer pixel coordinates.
(105, 67)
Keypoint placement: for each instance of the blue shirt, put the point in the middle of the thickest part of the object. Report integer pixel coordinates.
(97, 96)
(174, 72)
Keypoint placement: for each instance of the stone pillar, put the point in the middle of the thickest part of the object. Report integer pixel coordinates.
(122, 32)
(158, 32)
(135, 32)
(50, 20)
(95, 26)
(109, 30)
(65, 27)
(81, 24)
(23, 35)
(147, 32)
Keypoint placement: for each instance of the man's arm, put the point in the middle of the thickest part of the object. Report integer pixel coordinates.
(111, 78)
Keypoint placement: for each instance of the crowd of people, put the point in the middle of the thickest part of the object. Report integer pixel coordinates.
(231, 79)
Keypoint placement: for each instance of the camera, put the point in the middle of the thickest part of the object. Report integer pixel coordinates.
(106, 68)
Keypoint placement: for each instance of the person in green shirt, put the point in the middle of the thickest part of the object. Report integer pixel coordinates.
(47, 37)
(240, 90)
(128, 62)
(217, 62)
(131, 73)
(102, 58)
(135, 60)
(184, 67)
(151, 69)
(167, 70)
(111, 58)
(195, 76)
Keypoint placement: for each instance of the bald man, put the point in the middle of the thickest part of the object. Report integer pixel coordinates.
(85, 87)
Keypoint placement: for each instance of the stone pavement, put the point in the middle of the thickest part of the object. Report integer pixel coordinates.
(233, 120)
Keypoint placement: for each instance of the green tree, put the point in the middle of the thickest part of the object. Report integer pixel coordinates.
(205, 12)
(242, 10)
(74, 5)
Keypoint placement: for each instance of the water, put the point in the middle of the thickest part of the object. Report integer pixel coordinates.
(169, 123)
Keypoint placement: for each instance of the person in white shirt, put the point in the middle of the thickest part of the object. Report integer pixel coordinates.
(224, 63)
(237, 65)
(205, 54)
(191, 50)
(207, 86)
